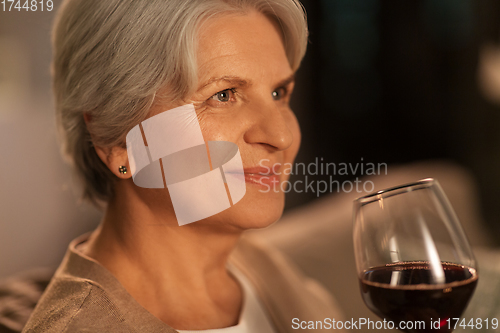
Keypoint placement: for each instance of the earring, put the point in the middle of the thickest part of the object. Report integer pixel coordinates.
(122, 169)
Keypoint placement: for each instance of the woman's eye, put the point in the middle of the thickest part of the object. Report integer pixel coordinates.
(279, 93)
(223, 96)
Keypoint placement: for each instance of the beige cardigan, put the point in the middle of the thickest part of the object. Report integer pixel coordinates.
(84, 297)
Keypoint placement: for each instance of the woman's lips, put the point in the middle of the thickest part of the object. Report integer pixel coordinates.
(262, 176)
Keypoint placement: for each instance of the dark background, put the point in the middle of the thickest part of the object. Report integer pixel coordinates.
(396, 82)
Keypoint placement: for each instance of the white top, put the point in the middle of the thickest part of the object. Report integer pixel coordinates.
(253, 317)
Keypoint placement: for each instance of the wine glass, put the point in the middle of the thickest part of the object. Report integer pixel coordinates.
(415, 267)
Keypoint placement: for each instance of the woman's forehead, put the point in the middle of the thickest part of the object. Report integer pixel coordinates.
(241, 46)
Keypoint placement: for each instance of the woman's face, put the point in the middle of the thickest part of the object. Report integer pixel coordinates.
(245, 83)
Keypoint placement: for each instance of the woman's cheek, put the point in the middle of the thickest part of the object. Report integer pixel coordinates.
(210, 126)
(222, 126)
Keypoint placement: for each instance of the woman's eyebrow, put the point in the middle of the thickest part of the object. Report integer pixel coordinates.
(286, 81)
(234, 80)
(239, 82)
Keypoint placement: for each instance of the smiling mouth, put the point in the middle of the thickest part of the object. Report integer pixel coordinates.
(265, 180)
(262, 176)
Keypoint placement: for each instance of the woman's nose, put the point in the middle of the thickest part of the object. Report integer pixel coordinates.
(270, 126)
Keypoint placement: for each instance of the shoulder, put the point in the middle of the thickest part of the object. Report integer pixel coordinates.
(85, 297)
(75, 305)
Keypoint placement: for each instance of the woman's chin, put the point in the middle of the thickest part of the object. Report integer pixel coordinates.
(255, 210)
(259, 209)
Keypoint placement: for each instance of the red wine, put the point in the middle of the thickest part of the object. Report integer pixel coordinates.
(413, 297)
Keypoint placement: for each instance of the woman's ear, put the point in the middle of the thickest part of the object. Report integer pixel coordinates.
(116, 159)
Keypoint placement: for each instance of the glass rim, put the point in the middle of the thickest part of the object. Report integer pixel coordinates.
(395, 190)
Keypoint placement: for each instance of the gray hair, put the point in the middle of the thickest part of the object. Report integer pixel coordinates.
(112, 58)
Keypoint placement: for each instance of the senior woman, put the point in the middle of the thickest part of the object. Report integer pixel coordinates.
(118, 63)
